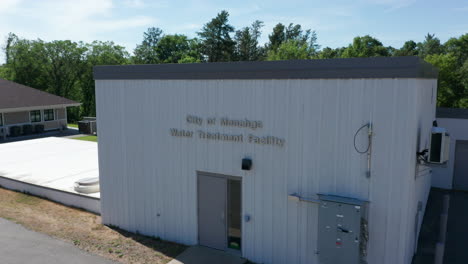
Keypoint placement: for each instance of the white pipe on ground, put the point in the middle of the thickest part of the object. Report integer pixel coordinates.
(439, 253)
(446, 204)
(440, 246)
(443, 228)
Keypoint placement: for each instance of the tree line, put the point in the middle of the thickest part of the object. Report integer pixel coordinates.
(65, 68)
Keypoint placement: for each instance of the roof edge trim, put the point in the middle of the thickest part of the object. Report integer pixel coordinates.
(38, 107)
(352, 68)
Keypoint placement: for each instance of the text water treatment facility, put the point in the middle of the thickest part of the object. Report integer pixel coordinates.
(314, 161)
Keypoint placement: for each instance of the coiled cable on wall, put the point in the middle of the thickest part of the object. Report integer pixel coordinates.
(355, 135)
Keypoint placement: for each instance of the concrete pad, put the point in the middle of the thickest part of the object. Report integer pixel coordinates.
(51, 162)
(19, 245)
(204, 255)
(49, 167)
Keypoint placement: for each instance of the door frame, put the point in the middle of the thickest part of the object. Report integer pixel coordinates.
(455, 160)
(227, 177)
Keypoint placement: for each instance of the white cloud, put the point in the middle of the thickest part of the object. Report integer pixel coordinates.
(84, 20)
(9, 5)
(134, 3)
(243, 10)
(124, 21)
(461, 9)
(190, 26)
(391, 5)
(144, 4)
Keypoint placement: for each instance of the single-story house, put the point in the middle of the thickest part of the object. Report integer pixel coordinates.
(21, 105)
(454, 173)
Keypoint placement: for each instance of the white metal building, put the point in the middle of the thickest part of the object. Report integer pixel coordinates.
(235, 155)
(454, 173)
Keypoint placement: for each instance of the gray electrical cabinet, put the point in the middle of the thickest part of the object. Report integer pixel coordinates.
(342, 234)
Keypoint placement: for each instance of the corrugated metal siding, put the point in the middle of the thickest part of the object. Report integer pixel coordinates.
(148, 178)
(420, 184)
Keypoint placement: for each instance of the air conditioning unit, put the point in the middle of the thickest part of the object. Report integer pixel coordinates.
(440, 146)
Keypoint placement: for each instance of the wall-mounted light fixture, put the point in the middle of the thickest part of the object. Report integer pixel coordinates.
(246, 164)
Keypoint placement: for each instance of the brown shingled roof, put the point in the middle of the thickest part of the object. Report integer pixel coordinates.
(15, 95)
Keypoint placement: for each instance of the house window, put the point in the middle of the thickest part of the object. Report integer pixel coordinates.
(49, 115)
(35, 116)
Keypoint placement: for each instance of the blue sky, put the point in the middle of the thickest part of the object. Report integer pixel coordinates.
(336, 22)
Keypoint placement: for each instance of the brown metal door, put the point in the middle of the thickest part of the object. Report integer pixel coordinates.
(212, 193)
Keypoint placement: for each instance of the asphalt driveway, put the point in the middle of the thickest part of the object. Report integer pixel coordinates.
(457, 229)
(19, 245)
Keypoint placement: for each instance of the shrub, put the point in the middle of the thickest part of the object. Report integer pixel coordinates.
(27, 129)
(15, 131)
(39, 128)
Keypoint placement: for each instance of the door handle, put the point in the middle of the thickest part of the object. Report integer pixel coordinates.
(343, 230)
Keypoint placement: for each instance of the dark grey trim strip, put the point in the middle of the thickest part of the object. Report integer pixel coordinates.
(377, 67)
(460, 113)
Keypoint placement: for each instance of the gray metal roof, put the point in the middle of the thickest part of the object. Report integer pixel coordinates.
(460, 113)
(15, 95)
(376, 67)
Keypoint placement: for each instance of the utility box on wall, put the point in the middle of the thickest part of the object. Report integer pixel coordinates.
(342, 234)
(440, 146)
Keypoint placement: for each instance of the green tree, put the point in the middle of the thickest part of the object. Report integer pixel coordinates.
(65, 66)
(217, 44)
(453, 75)
(247, 48)
(365, 46)
(277, 37)
(63, 69)
(410, 48)
(55, 67)
(174, 48)
(98, 53)
(194, 54)
(391, 51)
(291, 50)
(459, 48)
(329, 53)
(431, 45)
(3, 71)
(294, 32)
(451, 91)
(12, 39)
(146, 52)
(463, 102)
(296, 36)
(25, 62)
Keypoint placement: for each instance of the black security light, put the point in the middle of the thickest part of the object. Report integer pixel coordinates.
(246, 164)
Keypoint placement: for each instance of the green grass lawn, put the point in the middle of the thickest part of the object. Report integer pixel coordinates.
(87, 138)
(73, 125)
